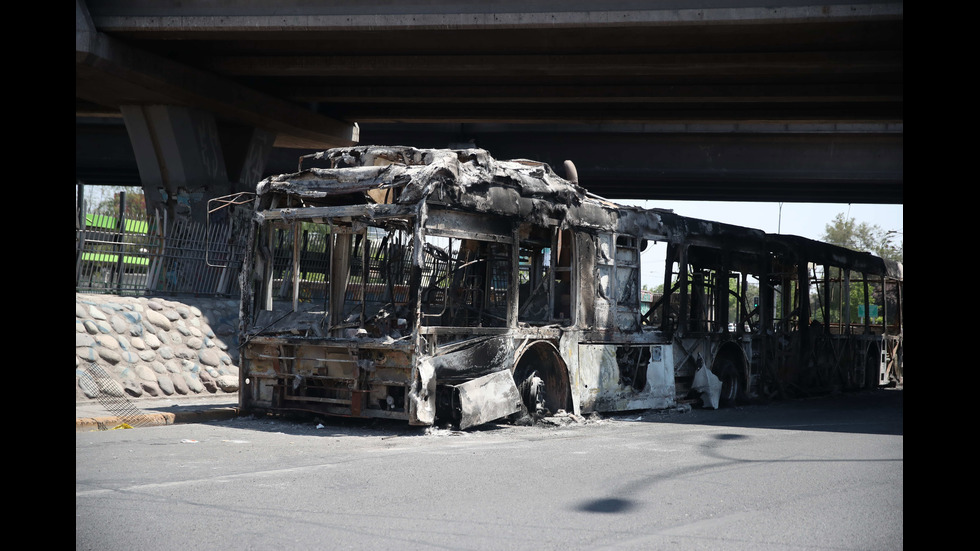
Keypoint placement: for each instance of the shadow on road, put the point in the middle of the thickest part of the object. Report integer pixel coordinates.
(869, 412)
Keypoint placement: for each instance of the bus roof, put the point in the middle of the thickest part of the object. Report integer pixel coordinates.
(472, 180)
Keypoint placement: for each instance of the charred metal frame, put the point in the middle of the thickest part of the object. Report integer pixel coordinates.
(430, 285)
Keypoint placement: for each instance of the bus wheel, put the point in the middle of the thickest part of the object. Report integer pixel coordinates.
(541, 379)
(532, 391)
(731, 383)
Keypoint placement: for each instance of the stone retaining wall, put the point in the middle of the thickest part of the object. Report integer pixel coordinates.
(139, 347)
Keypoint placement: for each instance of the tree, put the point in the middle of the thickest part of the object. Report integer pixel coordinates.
(847, 232)
(135, 204)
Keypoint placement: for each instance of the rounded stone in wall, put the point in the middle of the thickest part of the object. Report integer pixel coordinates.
(173, 366)
(110, 356)
(123, 342)
(209, 357)
(107, 341)
(88, 354)
(95, 313)
(159, 320)
(180, 385)
(133, 317)
(132, 388)
(193, 383)
(145, 372)
(152, 341)
(228, 383)
(208, 381)
(119, 325)
(166, 384)
(86, 384)
(110, 387)
(150, 388)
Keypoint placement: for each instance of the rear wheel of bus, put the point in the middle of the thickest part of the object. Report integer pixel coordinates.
(726, 369)
(542, 379)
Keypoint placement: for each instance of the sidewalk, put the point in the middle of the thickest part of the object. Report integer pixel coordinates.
(93, 416)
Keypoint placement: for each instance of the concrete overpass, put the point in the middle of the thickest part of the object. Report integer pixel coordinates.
(729, 100)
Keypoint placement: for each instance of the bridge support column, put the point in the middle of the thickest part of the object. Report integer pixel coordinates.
(181, 160)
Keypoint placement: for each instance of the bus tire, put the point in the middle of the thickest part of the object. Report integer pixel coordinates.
(542, 379)
(731, 382)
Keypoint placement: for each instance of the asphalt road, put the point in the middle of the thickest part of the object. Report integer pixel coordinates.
(812, 474)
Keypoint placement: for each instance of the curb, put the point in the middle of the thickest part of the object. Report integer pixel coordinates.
(84, 424)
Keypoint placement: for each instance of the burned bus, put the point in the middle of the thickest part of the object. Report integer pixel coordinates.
(446, 286)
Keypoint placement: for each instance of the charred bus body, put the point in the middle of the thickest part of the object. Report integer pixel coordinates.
(446, 285)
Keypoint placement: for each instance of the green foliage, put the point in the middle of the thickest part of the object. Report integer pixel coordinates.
(847, 232)
(135, 204)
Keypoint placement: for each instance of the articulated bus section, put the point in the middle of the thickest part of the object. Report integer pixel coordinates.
(448, 286)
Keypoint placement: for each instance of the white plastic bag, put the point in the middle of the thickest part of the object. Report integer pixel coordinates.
(708, 385)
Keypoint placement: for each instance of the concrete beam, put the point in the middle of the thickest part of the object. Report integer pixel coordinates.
(179, 156)
(789, 163)
(351, 15)
(818, 163)
(185, 158)
(112, 74)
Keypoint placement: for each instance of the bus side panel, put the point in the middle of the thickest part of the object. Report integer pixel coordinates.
(624, 377)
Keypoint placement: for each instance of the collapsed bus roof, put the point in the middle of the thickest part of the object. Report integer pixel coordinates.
(468, 179)
(472, 180)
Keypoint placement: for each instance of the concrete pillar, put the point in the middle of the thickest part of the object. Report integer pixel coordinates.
(181, 160)
(246, 152)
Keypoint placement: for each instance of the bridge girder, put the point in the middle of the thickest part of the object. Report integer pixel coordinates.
(791, 102)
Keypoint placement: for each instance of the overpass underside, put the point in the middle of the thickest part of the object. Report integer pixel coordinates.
(650, 100)
(813, 164)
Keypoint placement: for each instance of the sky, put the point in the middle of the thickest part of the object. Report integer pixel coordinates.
(804, 219)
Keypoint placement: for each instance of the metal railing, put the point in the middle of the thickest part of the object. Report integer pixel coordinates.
(139, 256)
